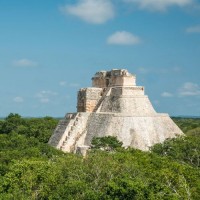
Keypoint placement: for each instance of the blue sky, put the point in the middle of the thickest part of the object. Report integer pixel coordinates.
(50, 49)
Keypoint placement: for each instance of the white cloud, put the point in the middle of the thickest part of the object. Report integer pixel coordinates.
(159, 5)
(62, 83)
(65, 84)
(44, 100)
(189, 89)
(193, 29)
(18, 100)
(91, 11)
(45, 96)
(24, 63)
(123, 38)
(166, 94)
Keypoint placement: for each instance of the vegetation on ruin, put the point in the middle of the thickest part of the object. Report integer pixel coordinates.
(31, 169)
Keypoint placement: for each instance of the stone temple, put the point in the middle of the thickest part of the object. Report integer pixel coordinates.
(113, 106)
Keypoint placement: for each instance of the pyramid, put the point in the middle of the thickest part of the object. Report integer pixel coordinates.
(113, 106)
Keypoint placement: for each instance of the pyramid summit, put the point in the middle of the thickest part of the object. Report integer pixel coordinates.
(113, 106)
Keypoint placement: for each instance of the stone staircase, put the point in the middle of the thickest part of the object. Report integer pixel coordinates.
(98, 106)
(60, 129)
(61, 126)
(74, 146)
(75, 131)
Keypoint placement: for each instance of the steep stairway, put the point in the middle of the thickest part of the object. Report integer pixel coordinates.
(98, 106)
(60, 129)
(75, 132)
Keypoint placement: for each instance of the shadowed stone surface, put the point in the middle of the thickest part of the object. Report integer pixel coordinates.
(114, 106)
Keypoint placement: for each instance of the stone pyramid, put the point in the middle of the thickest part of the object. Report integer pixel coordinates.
(113, 106)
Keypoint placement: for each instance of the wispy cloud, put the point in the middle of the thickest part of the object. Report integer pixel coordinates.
(167, 94)
(91, 11)
(18, 99)
(189, 89)
(24, 63)
(63, 83)
(159, 5)
(123, 38)
(45, 96)
(193, 29)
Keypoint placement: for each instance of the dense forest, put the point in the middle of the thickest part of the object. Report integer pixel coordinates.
(31, 169)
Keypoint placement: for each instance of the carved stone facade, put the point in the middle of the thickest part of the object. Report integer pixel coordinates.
(88, 99)
(116, 77)
(114, 106)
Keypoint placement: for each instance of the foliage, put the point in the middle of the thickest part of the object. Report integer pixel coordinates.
(108, 143)
(30, 169)
(40, 128)
(185, 149)
(187, 124)
(128, 174)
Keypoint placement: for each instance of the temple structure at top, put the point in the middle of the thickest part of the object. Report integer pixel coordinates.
(113, 106)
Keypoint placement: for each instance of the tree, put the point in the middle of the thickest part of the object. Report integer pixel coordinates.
(11, 122)
(108, 143)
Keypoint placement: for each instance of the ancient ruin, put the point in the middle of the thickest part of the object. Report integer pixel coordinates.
(113, 106)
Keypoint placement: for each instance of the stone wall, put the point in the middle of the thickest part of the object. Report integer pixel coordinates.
(127, 91)
(140, 132)
(88, 98)
(101, 79)
(122, 81)
(138, 105)
(114, 77)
